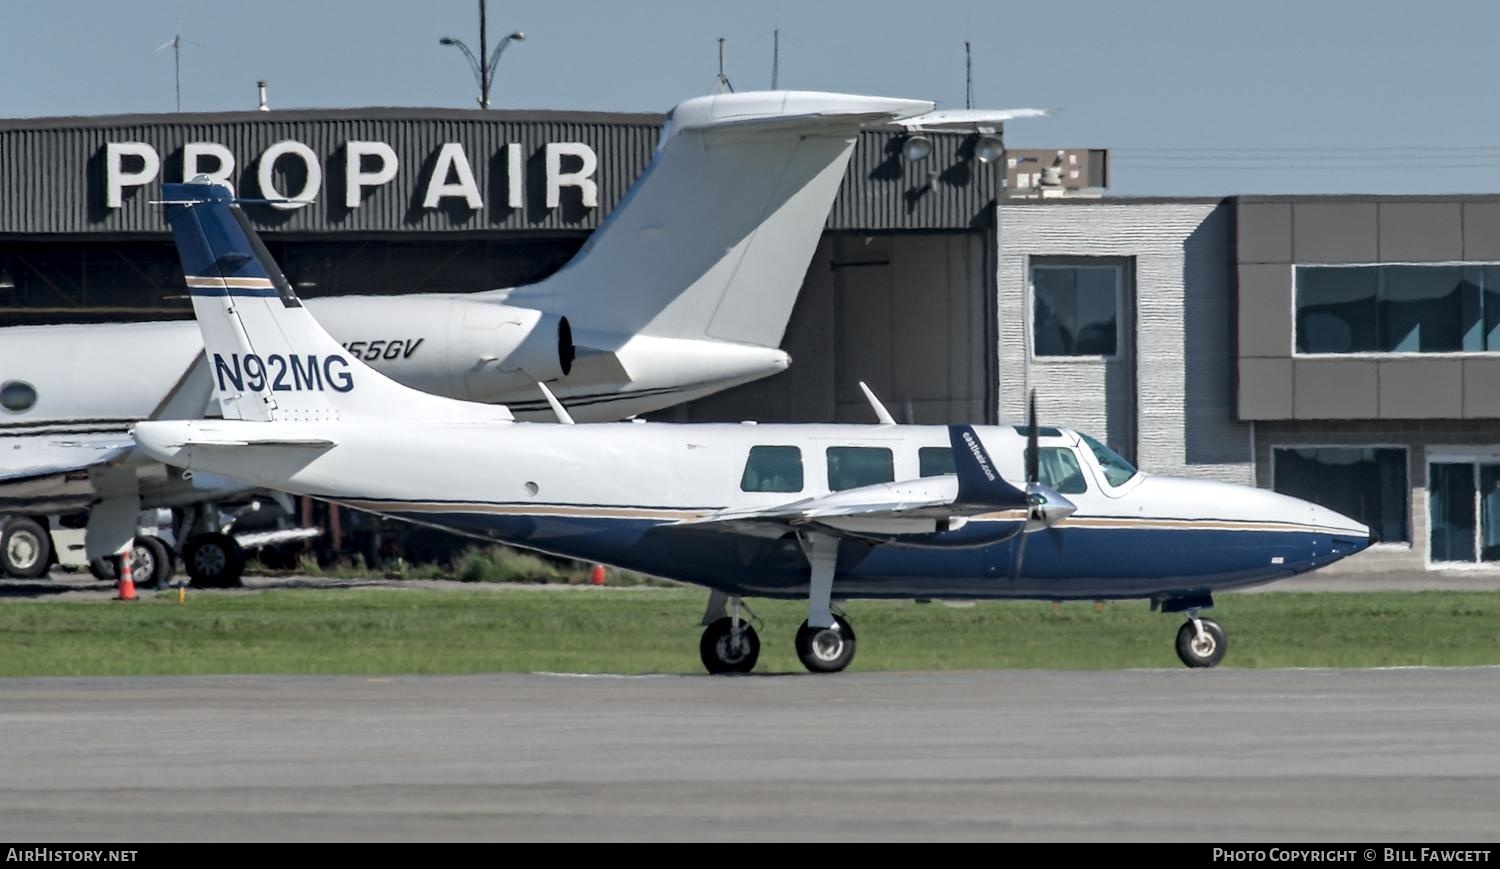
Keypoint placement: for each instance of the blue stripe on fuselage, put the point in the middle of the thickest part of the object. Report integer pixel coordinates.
(220, 292)
(1060, 564)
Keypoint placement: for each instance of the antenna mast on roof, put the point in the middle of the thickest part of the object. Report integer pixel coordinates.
(968, 77)
(723, 82)
(175, 43)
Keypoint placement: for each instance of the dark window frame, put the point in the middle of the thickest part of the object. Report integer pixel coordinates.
(1383, 307)
(1123, 268)
(1406, 524)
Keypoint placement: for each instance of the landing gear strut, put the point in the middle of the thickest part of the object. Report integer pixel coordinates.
(730, 643)
(1201, 642)
(825, 642)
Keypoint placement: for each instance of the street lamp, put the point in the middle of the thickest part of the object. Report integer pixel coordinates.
(484, 67)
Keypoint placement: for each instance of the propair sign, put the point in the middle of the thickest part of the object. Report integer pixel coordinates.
(367, 166)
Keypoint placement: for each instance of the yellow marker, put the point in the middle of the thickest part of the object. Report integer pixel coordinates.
(1098, 606)
(181, 593)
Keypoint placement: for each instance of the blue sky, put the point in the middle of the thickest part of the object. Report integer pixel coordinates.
(1201, 97)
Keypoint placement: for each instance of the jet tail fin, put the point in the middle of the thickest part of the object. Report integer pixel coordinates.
(269, 359)
(714, 239)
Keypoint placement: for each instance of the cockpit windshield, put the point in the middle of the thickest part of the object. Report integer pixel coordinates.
(1116, 470)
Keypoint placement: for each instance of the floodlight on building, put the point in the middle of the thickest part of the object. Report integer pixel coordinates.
(988, 148)
(916, 148)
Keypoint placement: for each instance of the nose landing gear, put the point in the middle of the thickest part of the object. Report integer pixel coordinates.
(1201, 642)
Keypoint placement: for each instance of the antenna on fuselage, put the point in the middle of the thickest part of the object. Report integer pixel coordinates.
(557, 407)
(882, 416)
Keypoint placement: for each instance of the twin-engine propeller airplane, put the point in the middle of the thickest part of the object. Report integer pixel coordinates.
(821, 512)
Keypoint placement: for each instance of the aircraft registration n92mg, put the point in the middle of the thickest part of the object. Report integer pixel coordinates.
(821, 512)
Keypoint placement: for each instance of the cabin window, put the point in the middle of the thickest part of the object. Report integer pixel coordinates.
(935, 461)
(1116, 469)
(852, 467)
(17, 396)
(1059, 471)
(773, 469)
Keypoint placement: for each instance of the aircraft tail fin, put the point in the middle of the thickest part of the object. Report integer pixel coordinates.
(268, 358)
(715, 237)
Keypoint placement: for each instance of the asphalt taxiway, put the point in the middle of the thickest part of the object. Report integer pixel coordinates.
(1221, 755)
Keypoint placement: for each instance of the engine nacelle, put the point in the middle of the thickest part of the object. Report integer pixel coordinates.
(467, 348)
(516, 348)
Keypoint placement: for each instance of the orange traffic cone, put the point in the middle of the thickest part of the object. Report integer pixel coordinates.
(127, 582)
(596, 576)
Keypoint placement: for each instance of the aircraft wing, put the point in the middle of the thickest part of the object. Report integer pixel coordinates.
(911, 507)
(928, 498)
(48, 456)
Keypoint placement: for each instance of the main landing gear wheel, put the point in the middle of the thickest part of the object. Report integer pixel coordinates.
(1204, 649)
(214, 560)
(725, 650)
(25, 549)
(826, 650)
(151, 566)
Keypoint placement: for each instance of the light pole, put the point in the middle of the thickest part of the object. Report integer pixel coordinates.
(484, 67)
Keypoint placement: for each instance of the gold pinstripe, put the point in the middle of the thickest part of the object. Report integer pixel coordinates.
(677, 514)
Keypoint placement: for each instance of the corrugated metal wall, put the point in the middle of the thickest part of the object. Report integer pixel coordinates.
(948, 190)
(55, 178)
(1182, 405)
(52, 171)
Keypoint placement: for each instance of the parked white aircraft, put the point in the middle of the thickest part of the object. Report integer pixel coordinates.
(684, 290)
(824, 512)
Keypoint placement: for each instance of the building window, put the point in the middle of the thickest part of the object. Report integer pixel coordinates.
(1076, 309)
(1363, 483)
(1398, 309)
(935, 461)
(852, 467)
(773, 469)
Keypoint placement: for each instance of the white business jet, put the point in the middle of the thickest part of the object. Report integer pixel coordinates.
(820, 512)
(684, 290)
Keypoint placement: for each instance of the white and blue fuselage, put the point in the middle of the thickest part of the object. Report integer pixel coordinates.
(633, 495)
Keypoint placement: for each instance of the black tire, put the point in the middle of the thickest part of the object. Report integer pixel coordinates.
(151, 564)
(169, 562)
(103, 569)
(1207, 653)
(25, 549)
(718, 657)
(826, 650)
(214, 561)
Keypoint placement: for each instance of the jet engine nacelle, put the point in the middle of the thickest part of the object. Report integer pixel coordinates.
(467, 348)
(523, 346)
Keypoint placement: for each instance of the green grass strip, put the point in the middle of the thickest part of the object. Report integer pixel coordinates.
(387, 631)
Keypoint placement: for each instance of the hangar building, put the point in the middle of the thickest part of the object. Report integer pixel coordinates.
(1334, 348)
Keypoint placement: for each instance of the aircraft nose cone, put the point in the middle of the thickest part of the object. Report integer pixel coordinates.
(1348, 535)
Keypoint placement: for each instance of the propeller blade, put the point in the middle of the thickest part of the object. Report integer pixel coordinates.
(1033, 457)
(1020, 557)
